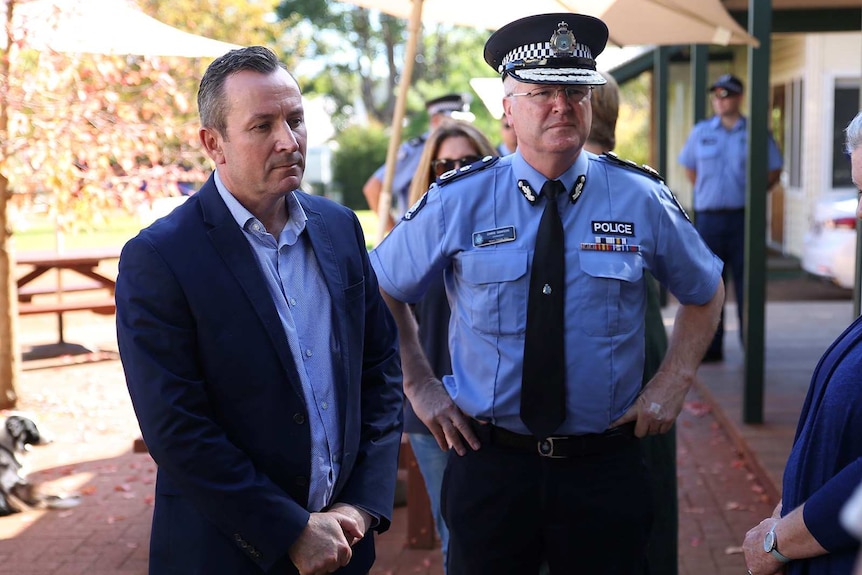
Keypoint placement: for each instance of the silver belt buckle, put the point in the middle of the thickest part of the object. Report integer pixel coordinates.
(546, 448)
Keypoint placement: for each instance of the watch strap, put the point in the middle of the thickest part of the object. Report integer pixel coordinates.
(777, 554)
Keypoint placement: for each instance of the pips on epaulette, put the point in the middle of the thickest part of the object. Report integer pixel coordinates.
(651, 172)
(615, 159)
(452, 175)
(448, 177)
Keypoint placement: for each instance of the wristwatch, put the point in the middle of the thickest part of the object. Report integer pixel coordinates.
(770, 545)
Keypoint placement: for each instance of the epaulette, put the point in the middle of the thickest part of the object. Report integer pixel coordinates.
(452, 175)
(615, 159)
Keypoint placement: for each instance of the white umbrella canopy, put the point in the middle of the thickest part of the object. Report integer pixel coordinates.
(631, 22)
(113, 27)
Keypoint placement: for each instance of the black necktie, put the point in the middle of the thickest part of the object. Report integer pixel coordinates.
(543, 393)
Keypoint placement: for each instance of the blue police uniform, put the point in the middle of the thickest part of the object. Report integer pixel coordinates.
(720, 159)
(479, 231)
(580, 500)
(406, 163)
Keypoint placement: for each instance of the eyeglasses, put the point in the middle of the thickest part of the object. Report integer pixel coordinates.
(443, 165)
(573, 94)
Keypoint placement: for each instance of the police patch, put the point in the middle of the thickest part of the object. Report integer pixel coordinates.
(615, 228)
(414, 209)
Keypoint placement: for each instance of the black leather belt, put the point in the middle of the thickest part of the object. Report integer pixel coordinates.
(558, 446)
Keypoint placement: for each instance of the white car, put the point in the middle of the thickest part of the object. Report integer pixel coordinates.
(829, 247)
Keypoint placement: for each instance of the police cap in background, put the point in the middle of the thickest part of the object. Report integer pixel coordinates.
(549, 49)
(729, 83)
(456, 106)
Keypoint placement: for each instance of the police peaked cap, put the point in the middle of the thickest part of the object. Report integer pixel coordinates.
(448, 104)
(549, 49)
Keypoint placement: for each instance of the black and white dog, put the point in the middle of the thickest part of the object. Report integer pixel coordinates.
(17, 434)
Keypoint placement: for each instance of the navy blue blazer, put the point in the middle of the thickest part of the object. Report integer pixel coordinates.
(218, 398)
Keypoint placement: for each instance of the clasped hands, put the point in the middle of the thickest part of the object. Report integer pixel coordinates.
(325, 545)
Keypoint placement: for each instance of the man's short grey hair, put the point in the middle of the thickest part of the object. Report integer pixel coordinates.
(212, 106)
(854, 134)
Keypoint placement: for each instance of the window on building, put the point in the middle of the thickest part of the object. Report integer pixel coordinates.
(787, 128)
(846, 107)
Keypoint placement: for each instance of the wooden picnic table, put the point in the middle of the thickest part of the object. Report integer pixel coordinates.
(84, 262)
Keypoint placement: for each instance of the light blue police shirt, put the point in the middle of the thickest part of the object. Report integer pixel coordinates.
(302, 300)
(405, 167)
(720, 158)
(479, 230)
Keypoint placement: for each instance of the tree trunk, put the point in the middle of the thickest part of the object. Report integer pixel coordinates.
(10, 358)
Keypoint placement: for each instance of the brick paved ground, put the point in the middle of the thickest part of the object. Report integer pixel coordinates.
(107, 534)
(719, 496)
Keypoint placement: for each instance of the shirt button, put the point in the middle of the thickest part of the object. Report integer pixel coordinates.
(293, 301)
(307, 353)
(298, 419)
(324, 405)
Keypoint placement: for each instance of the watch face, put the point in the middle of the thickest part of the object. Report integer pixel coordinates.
(769, 542)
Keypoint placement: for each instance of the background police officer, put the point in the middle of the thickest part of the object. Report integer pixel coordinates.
(456, 106)
(566, 483)
(715, 158)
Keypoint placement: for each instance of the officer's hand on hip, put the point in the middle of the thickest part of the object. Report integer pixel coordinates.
(450, 427)
(658, 405)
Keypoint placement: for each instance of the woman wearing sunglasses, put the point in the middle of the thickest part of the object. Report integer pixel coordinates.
(452, 145)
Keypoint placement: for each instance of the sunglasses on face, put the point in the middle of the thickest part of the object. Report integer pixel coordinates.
(443, 165)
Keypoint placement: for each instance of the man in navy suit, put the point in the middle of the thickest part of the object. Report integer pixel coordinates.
(260, 358)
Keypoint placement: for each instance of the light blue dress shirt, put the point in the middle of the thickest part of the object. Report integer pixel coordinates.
(720, 158)
(304, 308)
(479, 230)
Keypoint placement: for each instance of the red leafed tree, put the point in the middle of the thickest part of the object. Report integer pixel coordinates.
(92, 131)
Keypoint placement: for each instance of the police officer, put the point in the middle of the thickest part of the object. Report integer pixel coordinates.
(456, 106)
(564, 484)
(715, 160)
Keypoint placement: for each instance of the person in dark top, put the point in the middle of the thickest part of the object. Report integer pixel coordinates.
(804, 536)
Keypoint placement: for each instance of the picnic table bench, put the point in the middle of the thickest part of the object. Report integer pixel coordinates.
(84, 263)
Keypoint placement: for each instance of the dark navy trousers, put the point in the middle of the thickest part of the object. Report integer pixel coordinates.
(724, 233)
(509, 511)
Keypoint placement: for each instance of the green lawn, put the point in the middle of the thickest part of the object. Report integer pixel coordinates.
(39, 233)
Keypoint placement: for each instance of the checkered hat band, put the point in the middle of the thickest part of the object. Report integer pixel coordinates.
(539, 51)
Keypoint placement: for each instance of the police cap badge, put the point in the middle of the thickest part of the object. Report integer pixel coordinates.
(549, 49)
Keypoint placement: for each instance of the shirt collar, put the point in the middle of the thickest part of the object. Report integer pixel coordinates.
(524, 171)
(715, 123)
(296, 222)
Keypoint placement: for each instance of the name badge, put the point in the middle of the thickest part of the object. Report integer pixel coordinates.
(491, 237)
